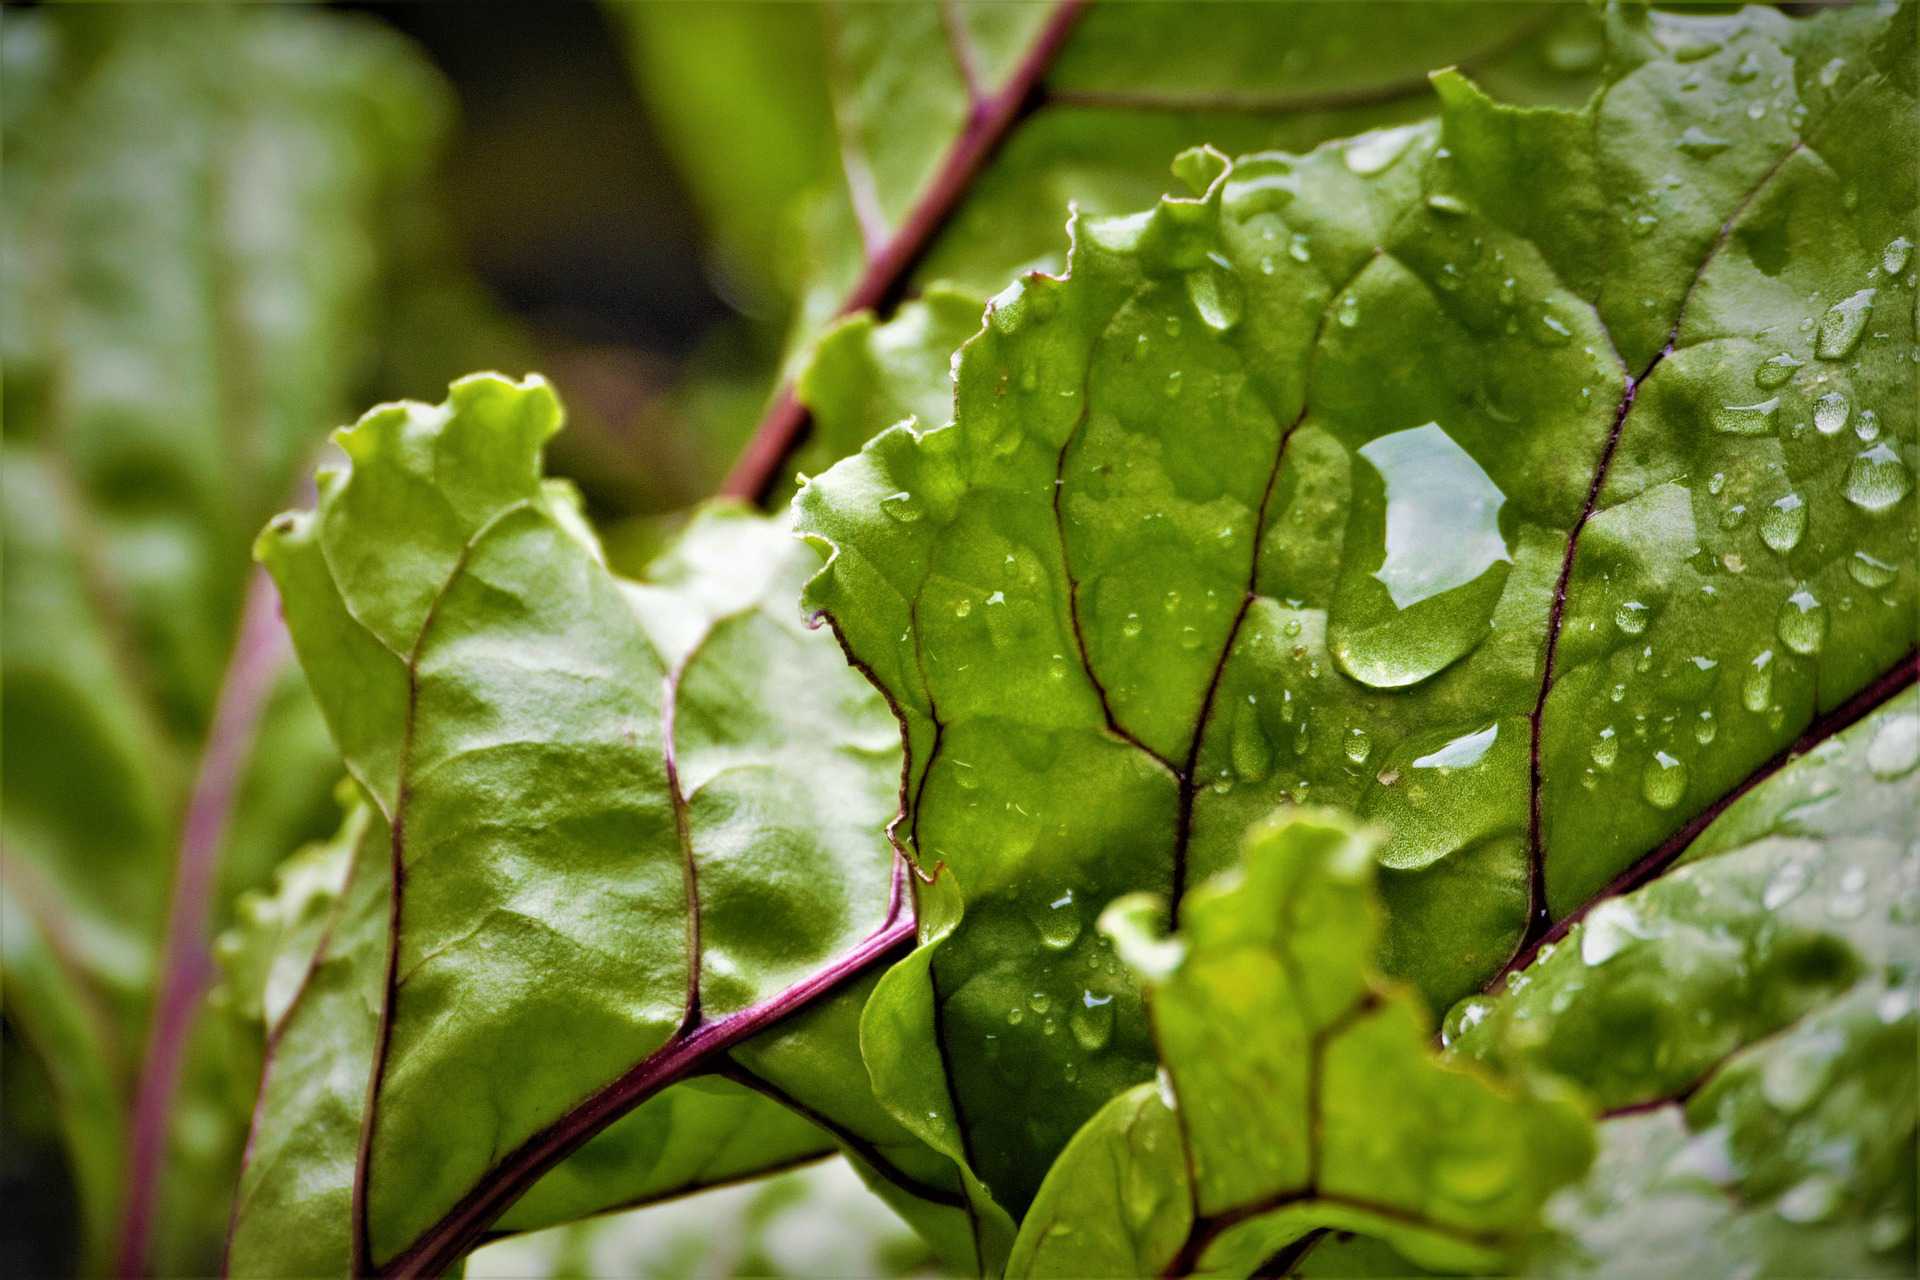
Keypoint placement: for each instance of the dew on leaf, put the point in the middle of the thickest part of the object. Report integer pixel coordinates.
(1746, 69)
(1774, 371)
(1092, 1022)
(1348, 312)
(1830, 413)
(1894, 259)
(1877, 479)
(1608, 930)
(1358, 745)
(1895, 748)
(1867, 426)
(1842, 325)
(1632, 617)
(1216, 295)
(1039, 1001)
(1251, 751)
(1057, 922)
(901, 507)
(1299, 247)
(1783, 523)
(1464, 1017)
(1870, 571)
(1443, 203)
(1664, 781)
(1606, 748)
(1755, 419)
(1701, 145)
(1375, 152)
(1802, 623)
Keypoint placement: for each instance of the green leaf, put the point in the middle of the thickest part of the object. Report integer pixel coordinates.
(940, 145)
(1750, 1018)
(1330, 1107)
(1447, 523)
(671, 791)
(197, 216)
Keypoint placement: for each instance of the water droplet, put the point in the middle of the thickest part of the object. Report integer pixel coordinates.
(1774, 371)
(1348, 312)
(1870, 571)
(1172, 386)
(1375, 152)
(1016, 1016)
(1812, 1200)
(1464, 1017)
(1299, 247)
(1756, 690)
(1606, 748)
(1189, 638)
(1632, 617)
(1553, 330)
(1867, 426)
(1894, 260)
(901, 507)
(1802, 623)
(1131, 627)
(1789, 881)
(1450, 205)
(1609, 929)
(1754, 419)
(1895, 748)
(1746, 69)
(1700, 144)
(1039, 1002)
(1251, 751)
(1664, 781)
(1057, 922)
(1216, 294)
(1782, 524)
(1358, 745)
(1092, 1022)
(1877, 479)
(1705, 728)
(1842, 325)
(1830, 413)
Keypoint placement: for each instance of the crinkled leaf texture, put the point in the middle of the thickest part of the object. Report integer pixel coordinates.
(1295, 1091)
(1531, 483)
(616, 828)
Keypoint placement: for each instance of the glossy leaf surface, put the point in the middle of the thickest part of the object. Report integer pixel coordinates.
(669, 790)
(1330, 1108)
(1442, 519)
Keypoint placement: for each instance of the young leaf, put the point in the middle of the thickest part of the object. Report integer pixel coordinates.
(1441, 523)
(1750, 1019)
(670, 791)
(1295, 1092)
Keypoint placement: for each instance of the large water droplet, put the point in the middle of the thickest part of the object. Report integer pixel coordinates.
(1216, 294)
(1419, 595)
(1894, 259)
(1700, 144)
(1830, 413)
(1464, 1017)
(1632, 617)
(901, 507)
(1375, 152)
(1057, 922)
(1782, 524)
(1092, 1021)
(1802, 623)
(1358, 745)
(1870, 571)
(1608, 930)
(1895, 748)
(1877, 479)
(1664, 781)
(1252, 752)
(1775, 370)
(1842, 325)
(1756, 690)
(1754, 419)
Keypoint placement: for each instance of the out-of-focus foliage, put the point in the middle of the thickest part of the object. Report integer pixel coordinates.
(197, 213)
(810, 1223)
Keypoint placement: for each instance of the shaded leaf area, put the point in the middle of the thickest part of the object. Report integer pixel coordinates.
(1398, 477)
(196, 214)
(817, 1221)
(1751, 1018)
(1331, 1109)
(670, 791)
(942, 143)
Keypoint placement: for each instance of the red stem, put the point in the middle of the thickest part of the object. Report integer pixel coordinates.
(989, 121)
(258, 654)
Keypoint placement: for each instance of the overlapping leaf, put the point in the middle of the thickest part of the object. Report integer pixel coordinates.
(1330, 1108)
(1504, 479)
(670, 791)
